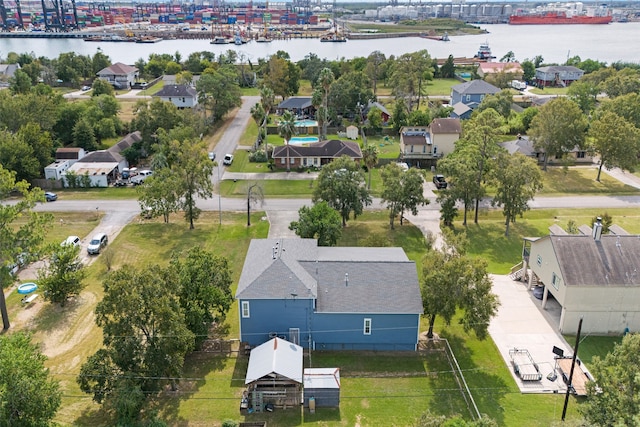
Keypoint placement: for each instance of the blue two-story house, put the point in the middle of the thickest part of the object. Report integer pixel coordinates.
(329, 298)
(465, 97)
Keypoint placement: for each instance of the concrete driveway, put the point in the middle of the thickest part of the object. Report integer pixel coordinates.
(522, 324)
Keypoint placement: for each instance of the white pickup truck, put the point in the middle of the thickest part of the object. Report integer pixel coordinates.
(142, 175)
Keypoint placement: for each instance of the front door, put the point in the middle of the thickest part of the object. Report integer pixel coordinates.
(294, 335)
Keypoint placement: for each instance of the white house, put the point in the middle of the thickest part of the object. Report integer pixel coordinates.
(591, 275)
(102, 167)
(182, 96)
(120, 75)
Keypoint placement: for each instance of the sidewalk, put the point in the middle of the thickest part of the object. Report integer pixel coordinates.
(271, 175)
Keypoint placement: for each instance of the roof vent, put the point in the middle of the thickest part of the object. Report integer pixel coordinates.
(596, 233)
(346, 279)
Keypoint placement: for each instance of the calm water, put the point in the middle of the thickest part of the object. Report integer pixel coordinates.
(607, 43)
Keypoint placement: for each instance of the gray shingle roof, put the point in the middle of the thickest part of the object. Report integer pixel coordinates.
(325, 149)
(613, 261)
(475, 87)
(118, 69)
(296, 102)
(366, 286)
(381, 280)
(522, 145)
(560, 69)
(178, 91)
(416, 137)
(126, 142)
(102, 156)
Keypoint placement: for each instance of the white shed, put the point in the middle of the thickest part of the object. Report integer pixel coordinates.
(56, 169)
(352, 132)
(323, 386)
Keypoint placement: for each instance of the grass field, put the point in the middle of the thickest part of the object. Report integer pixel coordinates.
(396, 388)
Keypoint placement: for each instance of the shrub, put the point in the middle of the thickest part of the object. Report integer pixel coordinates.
(258, 157)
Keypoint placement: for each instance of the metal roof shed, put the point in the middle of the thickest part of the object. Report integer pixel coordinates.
(322, 384)
(274, 374)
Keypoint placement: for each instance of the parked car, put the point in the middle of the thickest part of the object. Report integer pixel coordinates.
(71, 240)
(96, 244)
(50, 197)
(86, 88)
(228, 159)
(212, 156)
(440, 182)
(142, 175)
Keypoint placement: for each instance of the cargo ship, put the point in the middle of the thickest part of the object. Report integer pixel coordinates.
(557, 18)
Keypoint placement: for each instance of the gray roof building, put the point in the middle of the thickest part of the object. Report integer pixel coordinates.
(177, 91)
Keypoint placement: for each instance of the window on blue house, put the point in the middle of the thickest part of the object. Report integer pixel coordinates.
(245, 309)
(367, 327)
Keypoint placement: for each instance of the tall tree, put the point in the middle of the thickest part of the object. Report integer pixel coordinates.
(409, 76)
(101, 87)
(193, 170)
(18, 156)
(63, 276)
(375, 68)
(218, 90)
(205, 289)
(84, 136)
(613, 398)
(160, 194)
(559, 127)
(22, 229)
(319, 221)
(370, 159)
(452, 281)
(20, 83)
(448, 69)
(342, 185)
(325, 80)
(145, 338)
(501, 102)
(516, 178)
(29, 396)
(481, 137)
(402, 190)
(286, 129)
(461, 169)
(584, 94)
(615, 141)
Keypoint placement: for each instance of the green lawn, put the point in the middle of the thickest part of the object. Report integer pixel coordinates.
(441, 87)
(550, 91)
(101, 193)
(153, 89)
(581, 180)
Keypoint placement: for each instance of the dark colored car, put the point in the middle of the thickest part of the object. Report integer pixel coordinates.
(440, 182)
(120, 183)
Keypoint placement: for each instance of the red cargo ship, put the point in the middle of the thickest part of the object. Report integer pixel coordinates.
(557, 18)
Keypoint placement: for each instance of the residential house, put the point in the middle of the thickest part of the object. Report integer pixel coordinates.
(121, 76)
(422, 146)
(470, 94)
(102, 167)
(182, 96)
(300, 106)
(488, 69)
(591, 275)
(274, 375)
(6, 72)
(386, 115)
(557, 75)
(329, 298)
(315, 153)
(524, 145)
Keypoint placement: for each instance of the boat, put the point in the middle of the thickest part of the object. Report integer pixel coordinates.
(148, 39)
(557, 18)
(263, 39)
(221, 40)
(433, 36)
(333, 38)
(239, 40)
(109, 38)
(484, 53)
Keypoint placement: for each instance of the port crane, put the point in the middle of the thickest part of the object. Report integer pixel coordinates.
(6, 25)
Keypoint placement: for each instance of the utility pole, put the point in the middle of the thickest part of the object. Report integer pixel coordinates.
(573, 365)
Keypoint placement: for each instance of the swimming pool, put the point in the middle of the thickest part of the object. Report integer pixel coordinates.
(303, 139)
(306, 123)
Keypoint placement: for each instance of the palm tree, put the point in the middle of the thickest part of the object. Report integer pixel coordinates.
(370, 158)
(326, 79)
(286, 129)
